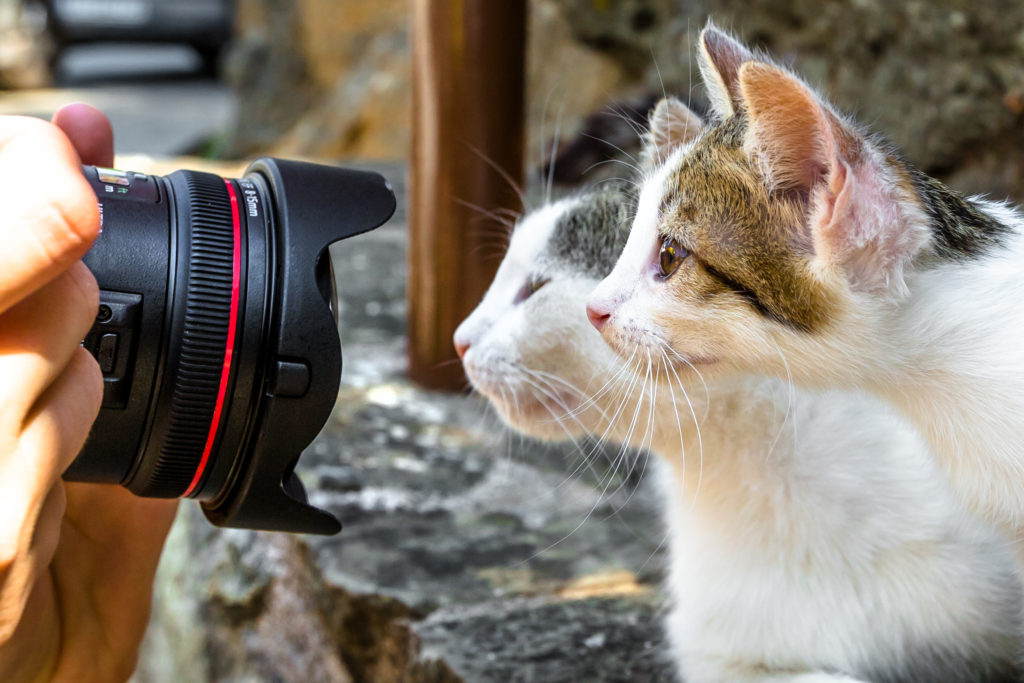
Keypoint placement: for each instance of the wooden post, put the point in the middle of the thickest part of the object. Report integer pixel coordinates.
(468, 113)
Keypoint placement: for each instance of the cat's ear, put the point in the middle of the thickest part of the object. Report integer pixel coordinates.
(792, 135)
(856, 211)
(720, 57)
(671, 124)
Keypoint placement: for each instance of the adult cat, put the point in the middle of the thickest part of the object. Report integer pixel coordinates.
(811, 537)
(785, 240)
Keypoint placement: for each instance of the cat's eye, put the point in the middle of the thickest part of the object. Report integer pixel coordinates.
(529, 289)
(670, 256)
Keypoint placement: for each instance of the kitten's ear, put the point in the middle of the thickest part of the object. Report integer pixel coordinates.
(720, 57)
(791, 134)
(857, 213)
(671, 124)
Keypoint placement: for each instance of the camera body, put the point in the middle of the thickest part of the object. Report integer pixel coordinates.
(217, 333)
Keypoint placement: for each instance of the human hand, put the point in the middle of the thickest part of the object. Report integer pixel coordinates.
(77, 561)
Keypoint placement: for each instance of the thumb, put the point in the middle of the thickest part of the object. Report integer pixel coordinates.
(89, 131)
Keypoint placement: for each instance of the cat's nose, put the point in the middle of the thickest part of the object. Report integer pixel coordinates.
(460, 340)
(598, 315)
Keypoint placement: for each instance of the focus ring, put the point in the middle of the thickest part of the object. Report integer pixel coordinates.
(207, 310)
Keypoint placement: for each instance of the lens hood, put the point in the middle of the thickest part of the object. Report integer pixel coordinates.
(314, 206)
(216, 335)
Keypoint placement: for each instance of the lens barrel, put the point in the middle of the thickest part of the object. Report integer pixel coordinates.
(216, 337)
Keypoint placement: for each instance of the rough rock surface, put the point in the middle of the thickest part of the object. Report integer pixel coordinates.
(467, 555)
(941, 78)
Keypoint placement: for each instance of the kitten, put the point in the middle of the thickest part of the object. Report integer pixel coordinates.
(811, 537)
(785, 240)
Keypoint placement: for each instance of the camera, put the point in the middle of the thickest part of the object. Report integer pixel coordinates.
(218, 333)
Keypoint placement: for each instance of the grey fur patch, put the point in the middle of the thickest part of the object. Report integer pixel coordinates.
(589, 237)
(960, 229)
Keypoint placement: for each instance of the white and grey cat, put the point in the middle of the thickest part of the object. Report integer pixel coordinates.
(811, 537)
(784, 239)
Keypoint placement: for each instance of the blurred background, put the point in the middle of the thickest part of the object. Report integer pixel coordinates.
(468, 554)
(332, 78)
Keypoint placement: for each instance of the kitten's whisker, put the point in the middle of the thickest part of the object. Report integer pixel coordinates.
(504, 176)
(664, 95)
(636, 166)
(501, 218)
(583, 521)
(789, 403)
(549, 378)
(554, 151)
(623, 401)
(586, 456)
(549, 390)
(600, 499)
(696, 424)
(628, 441)
(608, 385)
(707, 394)
(661, 544)
(675, 412)
(613, 161)
(645, 443)
(615, 109)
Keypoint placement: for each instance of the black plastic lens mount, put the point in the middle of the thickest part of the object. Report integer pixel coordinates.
(217, 333)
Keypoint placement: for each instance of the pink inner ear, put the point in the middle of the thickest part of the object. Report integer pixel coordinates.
(837, 199)
(863, 220)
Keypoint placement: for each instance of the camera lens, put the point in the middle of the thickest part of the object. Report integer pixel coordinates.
(218, 332)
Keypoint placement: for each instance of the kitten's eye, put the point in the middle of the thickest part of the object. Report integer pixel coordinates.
(529, 289)
(671, 256)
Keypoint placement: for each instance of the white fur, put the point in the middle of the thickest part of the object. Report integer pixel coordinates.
(811, 538)
(950, 355)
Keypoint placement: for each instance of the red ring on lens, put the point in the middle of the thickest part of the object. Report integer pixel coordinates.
(236, 266)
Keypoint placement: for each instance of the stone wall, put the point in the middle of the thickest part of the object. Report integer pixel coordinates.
(941, 78)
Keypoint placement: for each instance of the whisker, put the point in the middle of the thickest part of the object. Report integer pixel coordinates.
(624, 368)
(696, 424)
(586, 455)
(675, 412)
(707, 394)
(645, 443)
(554, 152)
(504, 175)
(635, 165)
(789, 402)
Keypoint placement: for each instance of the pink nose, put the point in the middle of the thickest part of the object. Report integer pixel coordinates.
(461, 347)
(598, 316)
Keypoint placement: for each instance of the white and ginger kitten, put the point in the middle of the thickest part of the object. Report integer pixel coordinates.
(811, 535)
(785, 240)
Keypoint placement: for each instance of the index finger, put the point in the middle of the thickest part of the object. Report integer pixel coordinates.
(48, 212)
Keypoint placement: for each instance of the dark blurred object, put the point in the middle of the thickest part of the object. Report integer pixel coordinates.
(606, 137)
(47, 27)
